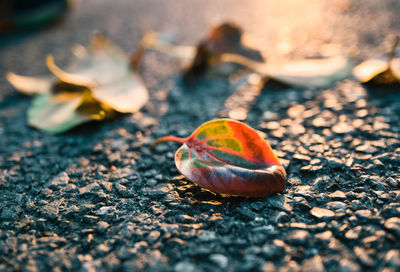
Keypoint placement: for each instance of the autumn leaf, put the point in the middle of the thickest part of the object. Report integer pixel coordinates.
(31, 85)
(63, 111)
(128, 94)
(164, 42)
(380, 70)
(227, 156)
(58, 106)
(318, 73)
(205, 57)
(105, 70)
(98, 82)
(221, 39)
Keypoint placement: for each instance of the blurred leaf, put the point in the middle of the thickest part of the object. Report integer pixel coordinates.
(163, 42)
(70, 78)
(30, 85)
(98, 82)
(227, 156)
(136, 59)
(105, 69)
(319, 73)
(128, 94)
(99, 63)
(205, 57)
(222, 39)
(380, 70)
(61, 112)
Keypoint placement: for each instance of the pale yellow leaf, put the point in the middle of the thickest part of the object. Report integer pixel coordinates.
(319, 73)
(158, 42)
(30, 85)
(59, 113)
(377, 70)
(104, 69)
(128, 94)
(79, 79)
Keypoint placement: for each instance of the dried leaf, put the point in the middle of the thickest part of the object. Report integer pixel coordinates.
(229, 157)
(222, 39)
(63, 111)
(98, 82)
(128, 94)
(380, 70)
(70, 78)
(318, 73)
(164, 43)
(100, 63)
(30, 85)
(105, 70)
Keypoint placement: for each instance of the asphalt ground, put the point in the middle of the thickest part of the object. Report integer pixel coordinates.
(99, 199)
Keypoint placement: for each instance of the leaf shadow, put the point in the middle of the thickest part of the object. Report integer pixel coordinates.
(379, 90)
(197, 195)
(93, 127)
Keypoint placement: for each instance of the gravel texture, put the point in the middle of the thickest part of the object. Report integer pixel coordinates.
(99, 199)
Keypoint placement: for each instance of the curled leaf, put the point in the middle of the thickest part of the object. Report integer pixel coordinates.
(222, 39)
(30, 85)
(227, 156)
(70, 78)
(105, 70)
(318, 73)
(99, 63)
(98, 83)
(128, 94)
(205, 57)
(380, 70)
(164, 44)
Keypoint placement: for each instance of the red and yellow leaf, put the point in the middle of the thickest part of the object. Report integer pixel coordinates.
(227, 156)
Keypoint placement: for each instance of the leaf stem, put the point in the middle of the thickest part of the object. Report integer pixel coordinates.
(136, 58)
(392, 51)
(249, 63)
(168, 138)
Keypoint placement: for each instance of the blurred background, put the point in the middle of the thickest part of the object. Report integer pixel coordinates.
(293, 28)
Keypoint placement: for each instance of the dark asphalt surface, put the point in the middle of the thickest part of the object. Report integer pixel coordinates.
(99, 199)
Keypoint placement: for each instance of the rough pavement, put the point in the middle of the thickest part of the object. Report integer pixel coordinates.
(97, 198)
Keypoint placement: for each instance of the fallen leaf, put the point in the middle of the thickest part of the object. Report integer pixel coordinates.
(105, 70)
(126, 95)
(30, 85)
(99, 63)
(380, 70)
(227, 156)
(318, 73)
(61, 112)
(70, 78)
(376, 69)
(205, 57)
(99, 82)
(163, 42)
(222, 39)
